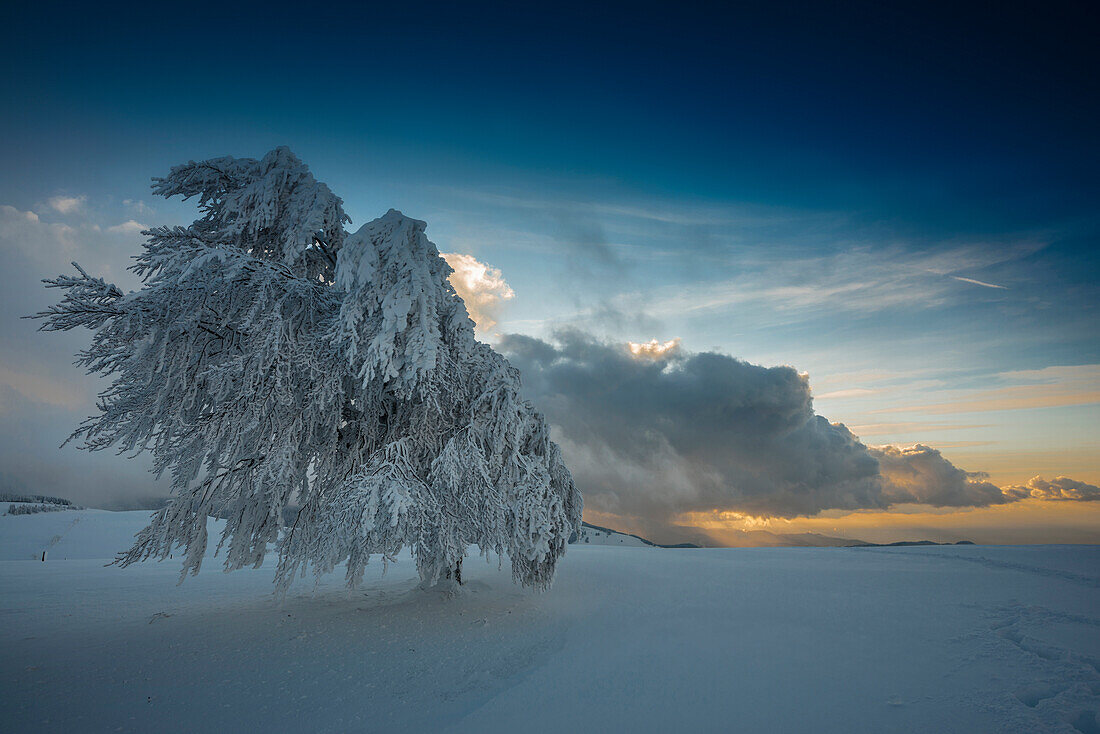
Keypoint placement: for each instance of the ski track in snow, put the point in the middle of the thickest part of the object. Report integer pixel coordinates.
(936, 639)
(1063, 686)
(1063, 690)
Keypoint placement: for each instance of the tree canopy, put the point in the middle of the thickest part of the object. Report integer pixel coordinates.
(273, 360)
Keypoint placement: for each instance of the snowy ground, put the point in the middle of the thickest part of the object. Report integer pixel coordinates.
(935, 639)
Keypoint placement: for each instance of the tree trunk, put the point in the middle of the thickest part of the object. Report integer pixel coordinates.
(455, 573)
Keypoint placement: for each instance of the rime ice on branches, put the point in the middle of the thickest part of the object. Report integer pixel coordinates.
(270, 359)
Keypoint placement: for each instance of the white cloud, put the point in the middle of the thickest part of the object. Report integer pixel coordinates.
(481, 286)
(128, 227)
(654, 349)
(67, 204)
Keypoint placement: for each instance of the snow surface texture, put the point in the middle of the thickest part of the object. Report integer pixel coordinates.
(272, 359)
(932, 639)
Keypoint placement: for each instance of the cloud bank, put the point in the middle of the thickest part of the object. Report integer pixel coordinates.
(651, 431)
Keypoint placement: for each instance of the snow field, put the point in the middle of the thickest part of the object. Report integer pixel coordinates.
(927, 639)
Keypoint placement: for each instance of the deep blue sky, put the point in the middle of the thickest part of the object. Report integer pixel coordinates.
(812, 184)
(967, 117)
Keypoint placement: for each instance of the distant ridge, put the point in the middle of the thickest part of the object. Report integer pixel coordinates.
(862, 544)
(764, 539)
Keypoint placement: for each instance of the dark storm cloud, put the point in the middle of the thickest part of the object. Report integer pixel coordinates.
(653, 436)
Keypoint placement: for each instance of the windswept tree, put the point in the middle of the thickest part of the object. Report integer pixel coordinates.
(271, 360)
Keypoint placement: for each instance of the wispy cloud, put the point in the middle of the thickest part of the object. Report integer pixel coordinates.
(661, 210)
(978, 282)
(137, 206)
(896, 429)
(855, 392)
(128, 227)
(858, 279)
(1051, 387)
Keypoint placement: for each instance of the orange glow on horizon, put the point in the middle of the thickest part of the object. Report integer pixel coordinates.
(1019, 523)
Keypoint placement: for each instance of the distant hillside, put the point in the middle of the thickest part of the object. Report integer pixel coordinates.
(596, 535)
(863, 544)
(813, 540)
(769, 539)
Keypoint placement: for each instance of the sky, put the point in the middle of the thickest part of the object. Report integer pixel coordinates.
(895, 205)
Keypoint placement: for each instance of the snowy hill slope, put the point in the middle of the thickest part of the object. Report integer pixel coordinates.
(939, 638)
(596, 535)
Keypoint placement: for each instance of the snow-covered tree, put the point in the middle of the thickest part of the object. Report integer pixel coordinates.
(270, 359)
